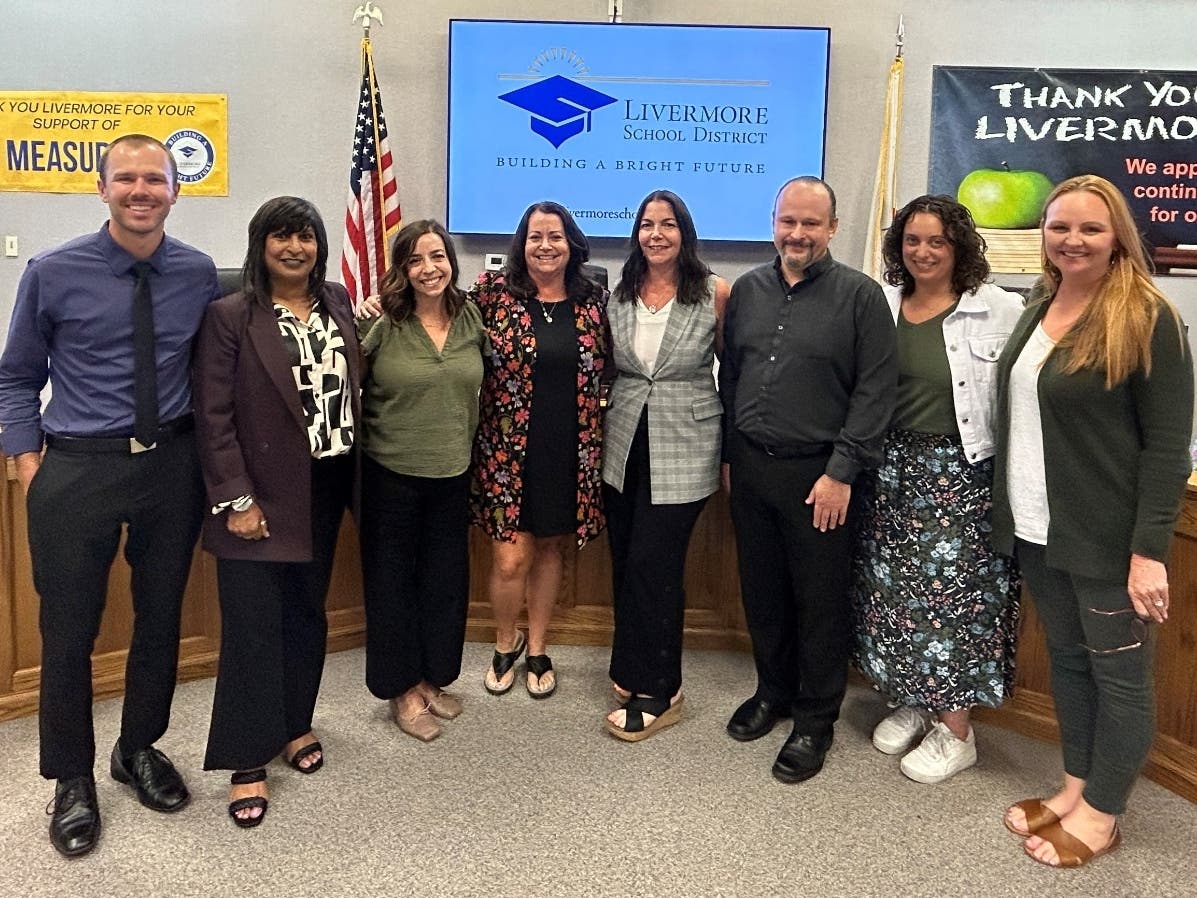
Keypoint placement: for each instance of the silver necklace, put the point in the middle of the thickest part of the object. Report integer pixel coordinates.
(652, 310)
(545, 309)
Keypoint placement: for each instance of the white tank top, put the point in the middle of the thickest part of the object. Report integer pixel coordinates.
(1026, 478)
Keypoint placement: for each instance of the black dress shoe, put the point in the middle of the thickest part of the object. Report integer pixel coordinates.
(154, 778)
(755, 718)
(74, 816)
(801, 757)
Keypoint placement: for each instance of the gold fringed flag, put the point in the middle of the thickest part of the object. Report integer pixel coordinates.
(885, 189)
(372, 214)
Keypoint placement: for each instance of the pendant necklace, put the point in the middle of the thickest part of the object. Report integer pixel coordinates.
(547, 310)
(653, 309)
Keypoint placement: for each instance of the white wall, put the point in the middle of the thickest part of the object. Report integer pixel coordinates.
(291, 71)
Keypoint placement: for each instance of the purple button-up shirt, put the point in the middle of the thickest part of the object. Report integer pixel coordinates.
(73, 325)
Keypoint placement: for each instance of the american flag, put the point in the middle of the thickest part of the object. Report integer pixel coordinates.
(372, 213)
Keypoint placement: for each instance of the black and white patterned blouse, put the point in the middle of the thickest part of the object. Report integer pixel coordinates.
(321, 371)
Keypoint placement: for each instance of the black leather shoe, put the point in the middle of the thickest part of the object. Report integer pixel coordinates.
(755, 718)
(153, 777)
(74, 816)
(801, 757)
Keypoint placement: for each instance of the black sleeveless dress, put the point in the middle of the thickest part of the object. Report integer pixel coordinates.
(549, 506)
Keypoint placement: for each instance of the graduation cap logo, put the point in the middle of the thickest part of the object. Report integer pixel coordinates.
(560, 108)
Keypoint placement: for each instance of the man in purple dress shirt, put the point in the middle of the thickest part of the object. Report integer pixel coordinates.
(73, 325)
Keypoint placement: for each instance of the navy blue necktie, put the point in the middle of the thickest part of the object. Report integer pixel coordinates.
(145, 367)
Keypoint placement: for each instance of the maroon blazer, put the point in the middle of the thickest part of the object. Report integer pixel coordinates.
(252, 435)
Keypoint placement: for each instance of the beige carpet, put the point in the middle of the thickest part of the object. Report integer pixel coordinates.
(533, 800)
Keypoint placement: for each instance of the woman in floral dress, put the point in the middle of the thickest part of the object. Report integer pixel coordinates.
(936, 608)
(536, 488)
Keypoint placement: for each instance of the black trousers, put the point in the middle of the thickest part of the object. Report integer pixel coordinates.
(416, 576)
(77, 505)
(794, 583)
(648, 562)
(273, 631)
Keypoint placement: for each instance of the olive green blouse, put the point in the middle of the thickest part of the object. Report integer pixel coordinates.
(420, 406)
(925, 403)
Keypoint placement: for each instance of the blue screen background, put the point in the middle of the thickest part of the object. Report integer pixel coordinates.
(498, 165)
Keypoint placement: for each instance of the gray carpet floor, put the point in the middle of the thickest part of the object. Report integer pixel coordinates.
(526, 798)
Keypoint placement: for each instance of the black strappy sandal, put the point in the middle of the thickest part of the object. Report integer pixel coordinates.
(502, 662)
(244, 778)
(310, 749)
(665, 713)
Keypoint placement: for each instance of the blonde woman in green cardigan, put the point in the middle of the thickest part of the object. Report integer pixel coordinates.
(1095, 395)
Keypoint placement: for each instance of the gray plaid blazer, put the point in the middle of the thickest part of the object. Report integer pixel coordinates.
(684, 411)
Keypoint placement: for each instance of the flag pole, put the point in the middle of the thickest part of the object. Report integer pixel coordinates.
(372, 214)
(885, 187)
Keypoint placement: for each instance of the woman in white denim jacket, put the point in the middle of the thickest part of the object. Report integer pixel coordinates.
(935, 607)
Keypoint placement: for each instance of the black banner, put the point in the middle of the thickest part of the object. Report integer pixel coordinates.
(1136, 128)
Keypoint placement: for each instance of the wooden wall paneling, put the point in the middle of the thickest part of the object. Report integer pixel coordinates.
(714, 619)
(346, 614)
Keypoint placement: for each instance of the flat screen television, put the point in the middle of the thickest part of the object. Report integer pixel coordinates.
(595, 116)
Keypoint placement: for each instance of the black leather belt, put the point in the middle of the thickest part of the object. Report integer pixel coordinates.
(809, 451)
(124, 444)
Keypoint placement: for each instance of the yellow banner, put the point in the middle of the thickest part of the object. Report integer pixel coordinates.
(52, 140)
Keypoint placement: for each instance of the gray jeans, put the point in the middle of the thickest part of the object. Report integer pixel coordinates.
(1102, 676)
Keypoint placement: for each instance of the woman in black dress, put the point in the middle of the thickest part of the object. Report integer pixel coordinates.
(537, 486)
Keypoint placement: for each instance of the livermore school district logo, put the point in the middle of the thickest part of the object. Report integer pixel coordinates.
(559, 107)
(194, 155)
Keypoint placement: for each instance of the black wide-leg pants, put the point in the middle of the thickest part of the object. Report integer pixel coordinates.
(648, 562)
(273, 631)
(416, 577)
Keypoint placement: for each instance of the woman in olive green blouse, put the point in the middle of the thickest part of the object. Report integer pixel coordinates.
(419, 413)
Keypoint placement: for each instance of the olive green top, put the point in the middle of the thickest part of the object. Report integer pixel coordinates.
(925, 403)
(420, 406)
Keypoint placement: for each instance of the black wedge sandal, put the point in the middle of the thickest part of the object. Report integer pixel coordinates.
(244, 778)
(664, 712)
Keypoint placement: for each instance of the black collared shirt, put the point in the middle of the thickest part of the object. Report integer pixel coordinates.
(811, 365)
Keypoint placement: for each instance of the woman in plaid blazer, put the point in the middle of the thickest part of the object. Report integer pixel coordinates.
(661, 453)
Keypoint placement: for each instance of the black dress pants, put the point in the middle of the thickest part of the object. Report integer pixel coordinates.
(648, 562)
(77, 504)
(273, 631)
(416, 576)
(794, 583)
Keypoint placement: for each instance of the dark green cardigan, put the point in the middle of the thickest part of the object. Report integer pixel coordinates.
(1116, 460)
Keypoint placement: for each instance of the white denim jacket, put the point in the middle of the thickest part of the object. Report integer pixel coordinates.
(974, 335)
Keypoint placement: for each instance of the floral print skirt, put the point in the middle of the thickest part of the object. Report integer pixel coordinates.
(935, 607)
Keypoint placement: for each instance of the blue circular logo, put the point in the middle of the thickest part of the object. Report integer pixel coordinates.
(193, 153)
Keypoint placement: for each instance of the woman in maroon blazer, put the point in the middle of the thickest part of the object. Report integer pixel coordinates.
(277, 377)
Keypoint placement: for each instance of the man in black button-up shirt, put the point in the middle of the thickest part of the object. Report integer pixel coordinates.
(808, 379)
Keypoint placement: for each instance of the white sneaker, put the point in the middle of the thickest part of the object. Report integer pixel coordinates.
(902, 729)
(940, 755)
